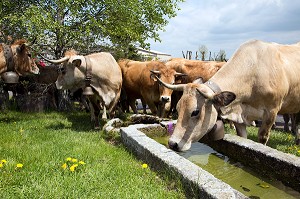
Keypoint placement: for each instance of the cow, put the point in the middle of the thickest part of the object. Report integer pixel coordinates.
(139, 84)
(105, 79)
(259, 81)
(193, 70)
(17, 58)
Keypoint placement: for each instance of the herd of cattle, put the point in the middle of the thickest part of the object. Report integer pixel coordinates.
(258, 82)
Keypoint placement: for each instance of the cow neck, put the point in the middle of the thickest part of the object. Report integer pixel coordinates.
(88, 70)
(8, 57)
(213, 86)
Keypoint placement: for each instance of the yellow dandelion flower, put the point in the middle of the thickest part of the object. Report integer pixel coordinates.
(72, 168)
(19, 165)
(64, 166)
(68, 159)
(144, 166)
(1, 165)
(74, 160)
(81, 162)
(3, 161)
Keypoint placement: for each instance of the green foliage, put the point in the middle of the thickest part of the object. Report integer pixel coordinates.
(84, 25)
(47, 144)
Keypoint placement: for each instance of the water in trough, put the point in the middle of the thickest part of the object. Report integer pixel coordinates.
(241, 178)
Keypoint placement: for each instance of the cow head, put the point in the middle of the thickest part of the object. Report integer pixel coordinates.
(197, 113)
(70, 74)
(169, 76)
(23, 62)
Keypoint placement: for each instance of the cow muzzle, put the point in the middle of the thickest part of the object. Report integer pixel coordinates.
(165, 99)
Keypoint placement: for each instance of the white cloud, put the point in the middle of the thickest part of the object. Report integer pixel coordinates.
(226, 24)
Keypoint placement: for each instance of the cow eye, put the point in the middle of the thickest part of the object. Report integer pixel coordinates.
(195, 113)
(29, 55)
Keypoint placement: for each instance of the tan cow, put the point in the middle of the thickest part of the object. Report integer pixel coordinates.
(260, 81)
(17, 58)
(106, 79)
(138, 84)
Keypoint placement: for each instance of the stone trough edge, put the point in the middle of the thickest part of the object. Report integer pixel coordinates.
(196, 182)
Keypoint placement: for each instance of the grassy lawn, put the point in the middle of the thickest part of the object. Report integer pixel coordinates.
(280, 140)
(46, 145)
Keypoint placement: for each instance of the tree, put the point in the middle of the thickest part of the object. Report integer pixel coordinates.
(203, 51)
(221, 56)
(86, 24)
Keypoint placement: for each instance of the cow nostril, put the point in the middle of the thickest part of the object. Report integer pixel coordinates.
(165, 99)
(173, 145)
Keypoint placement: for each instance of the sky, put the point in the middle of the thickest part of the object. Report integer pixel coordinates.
(226, 24)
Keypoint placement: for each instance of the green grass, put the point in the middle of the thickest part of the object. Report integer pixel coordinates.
(43, 141)
(280, 140)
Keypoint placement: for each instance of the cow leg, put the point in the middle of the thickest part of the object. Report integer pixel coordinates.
(95, 111)
(152, 107)
(296, 127)
(104, 114)
(293, 122)
(286, 118)
(144, 106)
(240, 129)
(131, 103)
(267, 122)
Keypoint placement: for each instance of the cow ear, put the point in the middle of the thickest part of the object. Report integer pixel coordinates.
(21, 48)
(224, 98)
(77, 62)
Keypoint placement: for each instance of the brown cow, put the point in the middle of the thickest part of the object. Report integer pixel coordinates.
(193, 69)
(139, 84)
(17, 58)
(260, 81)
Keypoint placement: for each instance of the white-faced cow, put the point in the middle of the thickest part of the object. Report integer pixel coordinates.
(258, 82)
(17, 58)
(106, 79)
(138, 83)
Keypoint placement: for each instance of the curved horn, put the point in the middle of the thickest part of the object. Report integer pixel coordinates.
(155, 72)
(59, 61)
(178, 87)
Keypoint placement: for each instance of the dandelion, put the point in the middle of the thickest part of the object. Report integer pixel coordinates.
(64, 166)
(19, 166)
(74, 160)
(144, 166)
(81, 162)
(72, 168)
(68, 159)
(1, 165)
(3, 161)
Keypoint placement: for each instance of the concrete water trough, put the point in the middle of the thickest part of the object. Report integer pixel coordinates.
(198, 183)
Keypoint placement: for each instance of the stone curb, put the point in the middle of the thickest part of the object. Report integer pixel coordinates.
(196, 182)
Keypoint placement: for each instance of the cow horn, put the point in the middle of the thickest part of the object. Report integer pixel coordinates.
(180, 74)
(178, 87)
(155, 72)
(59, 61)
